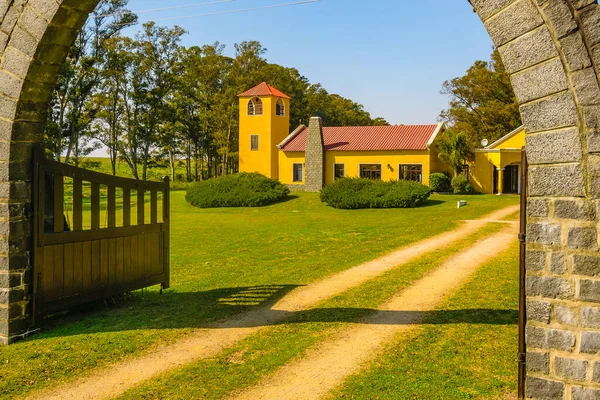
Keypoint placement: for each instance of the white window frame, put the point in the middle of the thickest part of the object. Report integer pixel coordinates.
(282, 105)
(344, 164)
(293, 172)
(254, 107)
(257, 142)
(422, 173)
(360, 169)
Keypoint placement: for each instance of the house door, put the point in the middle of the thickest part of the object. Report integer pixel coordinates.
(511, 179)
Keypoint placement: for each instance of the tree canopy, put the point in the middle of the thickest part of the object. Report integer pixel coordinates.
(148, 99)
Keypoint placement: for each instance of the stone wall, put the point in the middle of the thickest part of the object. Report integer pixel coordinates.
(552, 50)
(315, 157)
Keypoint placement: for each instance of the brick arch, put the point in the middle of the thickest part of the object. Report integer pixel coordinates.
(552, 50)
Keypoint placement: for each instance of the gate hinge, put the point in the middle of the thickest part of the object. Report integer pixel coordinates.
(522, 358)
(522, 237)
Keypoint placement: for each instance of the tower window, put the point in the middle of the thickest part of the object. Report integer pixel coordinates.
(253, 142)
(255, 106)
(280, 108)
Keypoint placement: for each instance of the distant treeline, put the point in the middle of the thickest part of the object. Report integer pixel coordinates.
(151, 101)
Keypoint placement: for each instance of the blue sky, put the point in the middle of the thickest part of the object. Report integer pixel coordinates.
(392, 56)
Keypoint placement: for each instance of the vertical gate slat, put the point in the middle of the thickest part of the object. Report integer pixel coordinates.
(68, 259)
(48, 271)
(153, 207)
(111, 207)
(140, 207)
(134, 259)
(95, 206)
(77, 267)
(77, 205)
(126, 207)
(58, 284)
(112, 262)
(95, 263)
(141, 256)
(119, 261)
(87, 274)
(128, 275)
(104, 273)
(59, 198)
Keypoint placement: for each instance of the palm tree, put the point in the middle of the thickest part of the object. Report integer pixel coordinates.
(455, 150)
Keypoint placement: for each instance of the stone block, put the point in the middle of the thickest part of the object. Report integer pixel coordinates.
(570, 369)
(591, 25)
(540, 81)
(559, 181)
(590, 343)
(554, 147)
(556, 288)
(543, 233)
(583, 238)
(539, 311)
(554, 112)
(538, 362)
(537, 208)
(486, 8)
(596, 373)
(589, 290)
(558, 263)
(586, 86)
(590, 317)
(560, 17)
(586, 265)
(543, 389)
(575, 209)
(511, 22)
(535, 260)
(533, 285)
(582, 393)
(561, 340)
(575, 52)
(566, 315)
(536, 337)
(532, 48)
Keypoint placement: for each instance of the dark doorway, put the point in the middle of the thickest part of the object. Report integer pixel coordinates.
(511, 179)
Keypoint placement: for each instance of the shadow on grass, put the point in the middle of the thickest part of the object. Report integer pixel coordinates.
(432, 203)
(250, 307)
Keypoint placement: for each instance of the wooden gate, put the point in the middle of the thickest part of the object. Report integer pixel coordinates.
(95, 235)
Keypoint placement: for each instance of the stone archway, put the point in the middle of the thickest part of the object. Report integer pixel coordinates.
(552, 50)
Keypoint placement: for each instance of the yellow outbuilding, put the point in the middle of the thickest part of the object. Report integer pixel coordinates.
(313, 156)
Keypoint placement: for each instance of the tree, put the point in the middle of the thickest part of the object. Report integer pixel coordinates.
(482, 102)
(71, 113)
(455, 149)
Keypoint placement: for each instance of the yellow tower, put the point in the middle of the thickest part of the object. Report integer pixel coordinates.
(264, 123)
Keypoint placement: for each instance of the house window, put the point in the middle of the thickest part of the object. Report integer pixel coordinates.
(297, 173)
(280, 108)
(370, 171)
(255, 106)
(253, 142)
(339, 171)
(410, 172)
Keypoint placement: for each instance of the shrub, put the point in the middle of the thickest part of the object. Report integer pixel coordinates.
(240, 190)
(439, 182)
(353, 193)
(459, 184)
(470, 189)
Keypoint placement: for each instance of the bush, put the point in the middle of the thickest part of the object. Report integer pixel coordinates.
(439, 182)
(353, 193)
(470, 189)
(240, 190)
(459, 184)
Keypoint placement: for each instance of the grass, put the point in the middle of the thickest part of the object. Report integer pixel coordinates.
(250, 360)
(467, 350)
(216, 255)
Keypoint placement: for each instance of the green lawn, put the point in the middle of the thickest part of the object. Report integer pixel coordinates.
(466, 350)
(216, 255)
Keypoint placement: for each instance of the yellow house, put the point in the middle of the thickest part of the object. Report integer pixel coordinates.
(497, 167)
(313, 156)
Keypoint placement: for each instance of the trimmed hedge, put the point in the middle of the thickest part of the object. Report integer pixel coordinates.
(461, 185)
(352, 193)
(439, 182)
(239, 190)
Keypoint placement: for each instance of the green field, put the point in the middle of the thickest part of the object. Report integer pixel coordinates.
(216, 255)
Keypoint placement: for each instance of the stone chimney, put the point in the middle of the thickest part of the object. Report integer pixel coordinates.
(315, 156)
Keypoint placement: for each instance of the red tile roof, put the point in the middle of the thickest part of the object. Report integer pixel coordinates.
(264, 89)
(366, 138)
